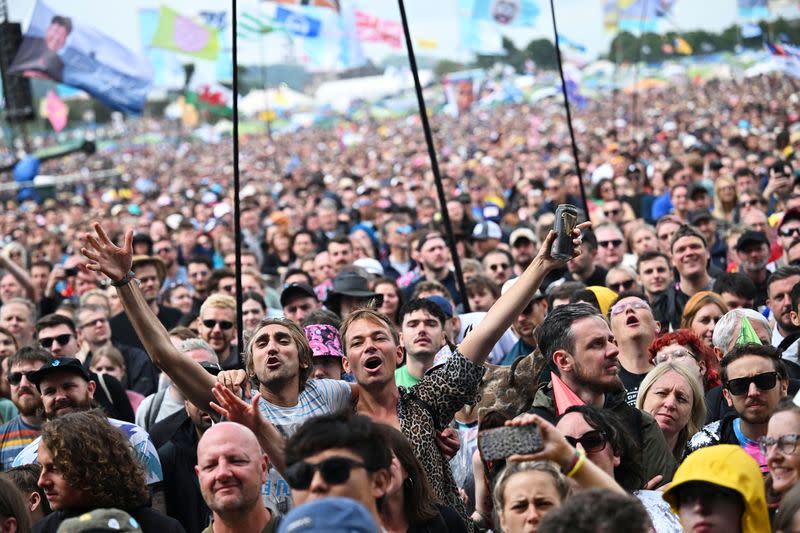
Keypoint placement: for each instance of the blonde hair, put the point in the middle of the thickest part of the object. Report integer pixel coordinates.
(372, 316)
(698, 414)
(697, 302)
(219, 301)
(719, 209)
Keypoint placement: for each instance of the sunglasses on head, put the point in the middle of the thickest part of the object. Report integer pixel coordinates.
(334, 471)
(740, 386)
(591, 441)
(223, 324)
(613, 243)
(15, 378)
(47, 342)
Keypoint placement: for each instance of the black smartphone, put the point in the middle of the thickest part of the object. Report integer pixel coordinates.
(70, 272)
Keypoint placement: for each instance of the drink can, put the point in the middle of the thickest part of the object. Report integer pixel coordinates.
(566, 220)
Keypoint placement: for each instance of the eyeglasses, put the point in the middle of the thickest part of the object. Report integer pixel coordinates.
(499, 266)
(748, 203)
(62, 340)
(740, 386)
(334, 471)
(622, 285)
(403, 230)
(789, 232)
(677, 355)
(621, 307)
(591, 441)
(611, 213)
(223, 324)
(15, 378)
(787, 444)
(613, 243)
(95, 322)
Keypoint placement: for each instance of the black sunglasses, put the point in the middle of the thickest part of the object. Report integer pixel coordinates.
(624, 285)
(500, 266)
(788, 232)
(223, 324)
(609, 244)
(740, 386)
(334, 471)
(591, 441)
(15, 378)
(47, 342)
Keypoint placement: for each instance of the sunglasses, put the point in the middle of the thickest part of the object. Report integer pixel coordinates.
(591, 441)
(403, 230)
(787, 444)
(501, 266)
(613, 243)
(15, 378)
(748, 203)
(622, 285)
(223, 324)
(334, 471)
(633, 304)
(47, 342)
(95, 322)
(789, 232)
(611, 213)
(740, 386)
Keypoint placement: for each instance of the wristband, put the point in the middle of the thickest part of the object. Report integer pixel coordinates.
(125, 279)
(577, 464)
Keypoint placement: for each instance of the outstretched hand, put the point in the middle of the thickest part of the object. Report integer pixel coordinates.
(235, 409)
(106, 257)
(547, 260)
(556, 448)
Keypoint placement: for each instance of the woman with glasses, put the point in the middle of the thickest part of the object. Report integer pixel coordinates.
(607, 443)
(683, 346)
(780, 448)
(671, 393)
(701, 314)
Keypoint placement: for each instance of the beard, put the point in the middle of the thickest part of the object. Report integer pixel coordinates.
(82, 405)
(29, 405)
(586, 379)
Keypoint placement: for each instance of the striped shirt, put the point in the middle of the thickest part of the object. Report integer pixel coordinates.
(14, 436)
(318, 397)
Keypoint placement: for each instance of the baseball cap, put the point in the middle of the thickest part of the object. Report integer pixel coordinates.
(751, 237)
(790, 214)
(699, 215)
(487, 230)
(63, 364)
(370, 265)
(442, 303)
(521, 233)
(293, 290)
(329, 514)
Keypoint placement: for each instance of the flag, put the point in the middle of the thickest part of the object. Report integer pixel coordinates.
(752, 9)
(477, 36)
(328, 4)
(636, 16)
(506, 12)
(373, 29)
(682, 47)
(83, 57)
(178, 33)
(57, 111)
(776, 49)
(215, 99)
(428, 44)
(750, 30)
(667, 49)
(297, 23)
(574, 45)
(252, 25)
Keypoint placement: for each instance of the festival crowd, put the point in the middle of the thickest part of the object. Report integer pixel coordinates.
(646, 384)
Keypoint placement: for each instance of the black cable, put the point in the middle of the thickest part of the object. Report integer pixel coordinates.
(237, 227)
(569, 113)
(423, 114)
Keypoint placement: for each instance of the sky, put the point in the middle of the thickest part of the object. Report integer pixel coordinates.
(579, 20)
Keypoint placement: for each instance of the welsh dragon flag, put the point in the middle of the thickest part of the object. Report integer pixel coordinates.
(215, 99)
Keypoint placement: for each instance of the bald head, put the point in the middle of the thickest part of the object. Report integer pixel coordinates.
(231, 469)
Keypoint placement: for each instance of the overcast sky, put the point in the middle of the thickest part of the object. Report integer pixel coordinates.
(580, 20)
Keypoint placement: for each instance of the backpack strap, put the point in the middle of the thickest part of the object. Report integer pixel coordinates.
(154, 408)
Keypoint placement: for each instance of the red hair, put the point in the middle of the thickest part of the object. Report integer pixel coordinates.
(687, 339)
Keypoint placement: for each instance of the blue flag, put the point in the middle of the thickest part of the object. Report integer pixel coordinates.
(298, 24)
(506, 12)
(750, 30)
(59, 48)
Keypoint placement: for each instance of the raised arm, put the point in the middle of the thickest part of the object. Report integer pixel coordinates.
(20, 275)
(191, 379)
(479, 342)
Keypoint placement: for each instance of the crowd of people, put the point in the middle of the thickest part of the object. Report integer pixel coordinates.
(658, 366)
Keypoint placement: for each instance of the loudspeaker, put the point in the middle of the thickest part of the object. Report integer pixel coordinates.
(16, 89)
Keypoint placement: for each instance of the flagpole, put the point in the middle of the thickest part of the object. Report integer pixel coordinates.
(237, 227)
(575, 156)
(426, 127)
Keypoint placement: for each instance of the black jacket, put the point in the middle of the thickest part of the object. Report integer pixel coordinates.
(122, 330)
(141, 375)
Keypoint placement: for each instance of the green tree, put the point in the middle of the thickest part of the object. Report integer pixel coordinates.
(542, 52)
(446, 66)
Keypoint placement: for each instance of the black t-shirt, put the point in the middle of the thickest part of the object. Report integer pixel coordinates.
(631, 382)
(122, 330)
(149, 520)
